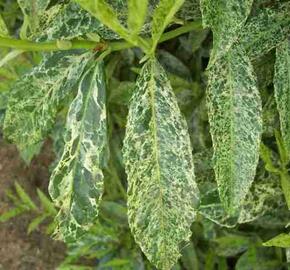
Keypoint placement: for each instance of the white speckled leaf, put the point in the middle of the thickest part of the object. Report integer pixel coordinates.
(265, 31)
(76, 184)
(162, 193)
(282, 89)
(226, 19)
(162, 16)
(235, 124)
(35, 98)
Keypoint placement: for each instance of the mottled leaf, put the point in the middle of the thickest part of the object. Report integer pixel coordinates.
(162, 16)
(264, 31)
(235, 124)
(281, 240)
(35, 98)
(76, 184)
(282, 90)
(137, 11)
(226, 19)
(105, 13)
(162, 192)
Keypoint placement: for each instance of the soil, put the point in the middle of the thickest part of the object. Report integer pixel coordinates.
(18, 250)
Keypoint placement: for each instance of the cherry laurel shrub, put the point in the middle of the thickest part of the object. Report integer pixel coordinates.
(203, 133)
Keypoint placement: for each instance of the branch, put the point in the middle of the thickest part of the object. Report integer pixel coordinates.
(90, 45)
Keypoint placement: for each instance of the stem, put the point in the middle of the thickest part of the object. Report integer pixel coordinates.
(86, 44)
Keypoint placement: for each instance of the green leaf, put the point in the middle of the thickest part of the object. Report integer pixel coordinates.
(264, 31)
(25, 197)
(162, 193)
(3, 28)
(226, 19)
(282, 240)
(235, 124)
(282, 90)
(12, 213)
(162, 16)
(137, 11)
(30, 151)
(105, 13)
(36, 97)
(33, 225)
(76, 184)
(46, 203)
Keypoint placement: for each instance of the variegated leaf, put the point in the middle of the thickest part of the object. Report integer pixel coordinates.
(226, 19)
(76, 184)
(282, 90)
(162, 193)
(35, 98)
(235, 124)
(265, 31)
(162, 16)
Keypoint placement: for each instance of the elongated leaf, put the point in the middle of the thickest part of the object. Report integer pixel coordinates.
(265, 31)
(162, 16)
(282, 90)
(3, 28)
(76, 184)
(281, 240)
(136, 15)
(35, 98)
(235, 125)
(104, 12)
(162, 192)
(226, 19)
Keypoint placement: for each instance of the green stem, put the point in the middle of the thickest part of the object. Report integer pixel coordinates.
(86, 44)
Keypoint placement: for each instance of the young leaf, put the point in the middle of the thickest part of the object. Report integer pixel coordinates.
(235, 124)
(136, 15)
(25, 197)
(76, 184)
(162, 192)
(282, 90)
(226, 19)
(281, 240)
(33, 225)
(35, 98)
(46, 203)
(162, 16)
(104, 12)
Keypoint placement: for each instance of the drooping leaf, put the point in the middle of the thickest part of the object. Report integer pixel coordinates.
(76, 184)
(36, 97)
(235, 124)
(226, 19)
(281, 240)
(264, 31)
(137, 11)
(282, 90)
(162, 192)
(162, 16)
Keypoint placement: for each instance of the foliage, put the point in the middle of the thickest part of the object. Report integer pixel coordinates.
(182, 130)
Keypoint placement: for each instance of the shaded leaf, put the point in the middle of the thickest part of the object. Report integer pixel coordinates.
(162, 192)
(76, 184)
(235, 124)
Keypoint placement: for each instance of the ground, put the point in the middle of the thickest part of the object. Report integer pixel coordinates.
(18, 250)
